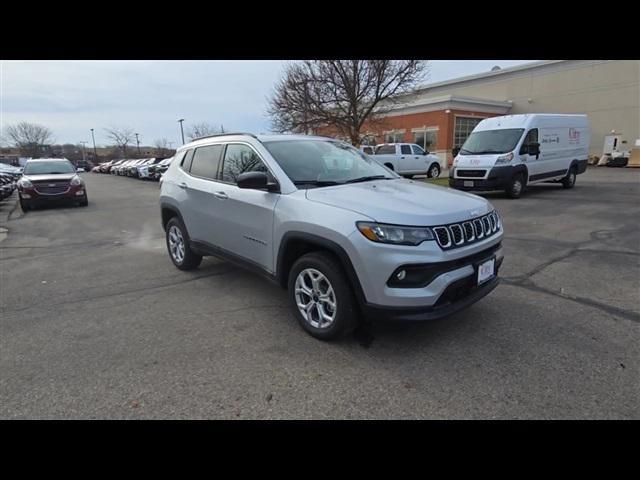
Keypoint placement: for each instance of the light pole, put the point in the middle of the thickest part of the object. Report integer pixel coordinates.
(84, 156)
(95, 152)
(181, 129)
(138, 144)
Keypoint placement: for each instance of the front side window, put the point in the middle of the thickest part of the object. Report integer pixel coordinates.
(324, 162)
(49, 167)
(492, 141)
(206, 161)
(240, 159)
(417, 150)
(532, 137)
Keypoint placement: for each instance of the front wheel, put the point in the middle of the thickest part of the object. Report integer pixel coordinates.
(321, 297)
(570, 180)
(516, 186)
(178, 245)
(434, 171)
(25, 206)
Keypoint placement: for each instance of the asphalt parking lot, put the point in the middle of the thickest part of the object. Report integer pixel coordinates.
(97, 323)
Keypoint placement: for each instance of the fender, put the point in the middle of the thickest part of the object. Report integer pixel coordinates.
(282, 271)
(164, 206)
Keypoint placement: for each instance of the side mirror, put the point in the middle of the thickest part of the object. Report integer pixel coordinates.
(255, 181)
(534, 148)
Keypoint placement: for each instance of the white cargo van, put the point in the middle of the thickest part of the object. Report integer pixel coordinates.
(510, 152)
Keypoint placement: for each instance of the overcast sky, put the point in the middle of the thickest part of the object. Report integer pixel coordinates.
(70, 97)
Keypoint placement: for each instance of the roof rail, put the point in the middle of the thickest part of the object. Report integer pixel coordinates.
(224, 134)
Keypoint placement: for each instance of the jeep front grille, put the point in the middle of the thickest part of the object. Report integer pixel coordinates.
(465, 233)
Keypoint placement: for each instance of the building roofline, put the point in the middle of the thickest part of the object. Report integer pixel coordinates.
(481, 75)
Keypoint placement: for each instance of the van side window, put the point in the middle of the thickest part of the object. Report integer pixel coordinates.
(186, 162)
(405, 149)
(206, 161)
(532, 137)
(240, 159)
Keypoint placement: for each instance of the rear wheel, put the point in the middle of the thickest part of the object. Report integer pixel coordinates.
(516, 186)
(178, 245)
(570, 180)
(434, 171)
(321, 298)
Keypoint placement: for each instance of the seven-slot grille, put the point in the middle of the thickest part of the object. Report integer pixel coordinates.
(459, 234)
(52, 188)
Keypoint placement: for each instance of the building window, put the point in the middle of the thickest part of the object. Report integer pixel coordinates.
(393, 137)
(463, 128)
(369, 140)
(427, 139)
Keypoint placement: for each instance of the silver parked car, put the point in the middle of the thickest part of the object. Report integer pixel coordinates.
(347, 237)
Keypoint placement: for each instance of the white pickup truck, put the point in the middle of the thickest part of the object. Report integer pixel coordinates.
(407, 159)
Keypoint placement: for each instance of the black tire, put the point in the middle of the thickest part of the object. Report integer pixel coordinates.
(408, 176)
(389, 166)
(346, 313)
(570, 180)
(434, 171)
(516, 186)
(84, 202)
(190, 259)
(25, 206)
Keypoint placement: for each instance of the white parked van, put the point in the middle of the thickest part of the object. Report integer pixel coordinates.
(513, 151)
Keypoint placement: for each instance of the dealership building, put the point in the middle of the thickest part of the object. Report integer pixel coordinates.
(440, 116)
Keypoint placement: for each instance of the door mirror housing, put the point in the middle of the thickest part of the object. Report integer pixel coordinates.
(533, 149)
(256, 181)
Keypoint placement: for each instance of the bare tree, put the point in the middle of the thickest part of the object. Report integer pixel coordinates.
(161, 144)
(30, 138)
(121, 137)
(202, 129)
(340, 94)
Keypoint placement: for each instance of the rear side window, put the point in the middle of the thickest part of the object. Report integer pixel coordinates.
(386, 150)
(240, 159)
(206, 161)
(186, 163)
(405, 149)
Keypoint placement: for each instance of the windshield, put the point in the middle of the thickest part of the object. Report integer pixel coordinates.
(48, 167)
(324, 162)
(491, 141)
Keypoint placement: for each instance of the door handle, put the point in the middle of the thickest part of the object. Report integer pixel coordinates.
(220, 195)
(402, 158)
(182, 185)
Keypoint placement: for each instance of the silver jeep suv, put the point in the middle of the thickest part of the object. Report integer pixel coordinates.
(347, 237)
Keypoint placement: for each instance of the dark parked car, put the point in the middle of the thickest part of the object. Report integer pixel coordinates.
(51, 180)
(7, 185)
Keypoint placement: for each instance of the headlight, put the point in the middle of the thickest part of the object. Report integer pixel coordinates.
(505, 159)
(455, 162)
(397, 235)
(25, 183)
(76, 181)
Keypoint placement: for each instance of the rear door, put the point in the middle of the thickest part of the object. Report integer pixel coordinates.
(200, 207)
(406, 162)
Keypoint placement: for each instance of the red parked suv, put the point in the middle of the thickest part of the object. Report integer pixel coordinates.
(50, 180)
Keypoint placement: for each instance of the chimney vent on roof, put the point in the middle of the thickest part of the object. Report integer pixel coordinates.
(496, 68)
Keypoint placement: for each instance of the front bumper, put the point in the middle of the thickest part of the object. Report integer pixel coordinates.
(75, 193)
(375, 263)
(458, 296)
(498, 178)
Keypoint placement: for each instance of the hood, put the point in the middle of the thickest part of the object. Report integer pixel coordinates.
(50, 176)
(403, 202)
(474, 161)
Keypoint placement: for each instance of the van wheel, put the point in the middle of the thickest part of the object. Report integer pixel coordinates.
(321, 297)
(516, 186)
(570, 180)
(434, 171)
(178, 245)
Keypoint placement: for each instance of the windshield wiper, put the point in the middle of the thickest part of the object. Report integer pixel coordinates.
(366, 179)
(316, 182)
(484, 152)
